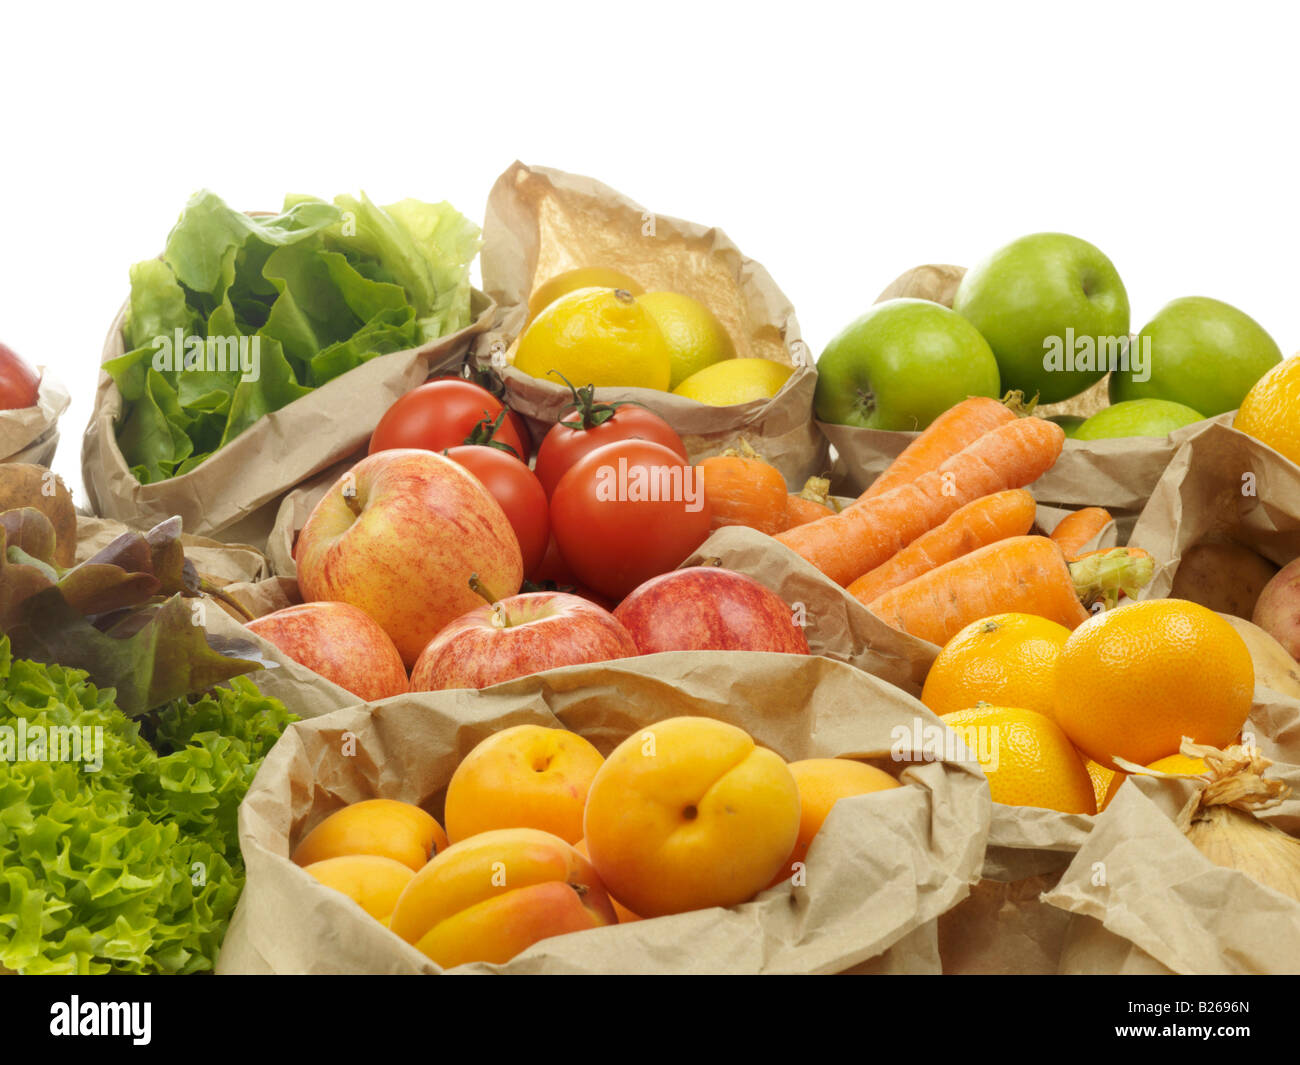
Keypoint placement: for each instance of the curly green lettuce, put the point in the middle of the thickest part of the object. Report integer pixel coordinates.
(127, 862)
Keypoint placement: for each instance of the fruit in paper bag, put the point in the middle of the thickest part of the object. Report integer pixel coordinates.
(689, 813)
(494, 895)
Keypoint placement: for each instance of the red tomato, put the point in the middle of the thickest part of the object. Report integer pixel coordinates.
(627, 512)
(513, 485)
(441, 414)
(18, 381)
(564, 445)
(513, 417)
(552, 567)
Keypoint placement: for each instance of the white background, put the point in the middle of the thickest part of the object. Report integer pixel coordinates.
(837, 143)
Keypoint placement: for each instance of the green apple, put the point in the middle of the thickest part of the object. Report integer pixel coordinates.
(901, 365)
(1052, 308)
(1137, 417)
(1200, 352)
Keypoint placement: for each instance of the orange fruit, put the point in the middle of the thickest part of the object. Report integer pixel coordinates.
(1133, 681)
(1005, 659)
(1027, 758)
(571, 280)
(1174, 763)
(1101, 778)
(1271, 410)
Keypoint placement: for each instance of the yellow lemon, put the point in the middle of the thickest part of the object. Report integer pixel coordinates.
(596, 336)
(735, 381)
(695, 337)
(1271, 410)
(571, 280)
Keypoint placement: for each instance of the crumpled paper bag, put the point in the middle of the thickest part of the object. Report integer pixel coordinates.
(31, 434)
(542, 222)
(883, 867)
(234, 495)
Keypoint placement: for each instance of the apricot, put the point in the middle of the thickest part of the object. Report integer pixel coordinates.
(371, 881)
(386, 827)
(528, 776)
(497, 893)
(625, 916)
(690, 813)
(822, 782)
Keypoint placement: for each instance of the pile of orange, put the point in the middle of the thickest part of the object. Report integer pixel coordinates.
(1048, 712)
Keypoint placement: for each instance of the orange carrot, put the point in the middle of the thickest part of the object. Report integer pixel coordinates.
(868, 534)
(1075, 530)
(977, 524)
(1024, 574)
(954, 429)
(813, 501)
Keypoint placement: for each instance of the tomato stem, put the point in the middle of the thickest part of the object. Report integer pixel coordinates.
(484, 434)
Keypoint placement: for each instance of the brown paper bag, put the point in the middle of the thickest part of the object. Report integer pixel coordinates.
(834, 623)
(1116, 474)
(222, 564)
(542, 222)
(31, 434)
(883, 867)
(235, 494)
(1225, 483)
(1005, 926)
(1166, 903)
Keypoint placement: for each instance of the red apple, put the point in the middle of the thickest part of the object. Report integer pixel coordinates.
(704, 608)
(516, 636)
(399, 536)
(341, 643)
(19, 383)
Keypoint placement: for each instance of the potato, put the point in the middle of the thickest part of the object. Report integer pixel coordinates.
(1278, 610)
(1222, 575)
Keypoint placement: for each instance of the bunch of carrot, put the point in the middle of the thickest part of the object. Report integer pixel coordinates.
(940, 538)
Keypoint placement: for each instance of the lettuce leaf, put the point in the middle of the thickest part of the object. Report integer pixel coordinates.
(322, 287)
